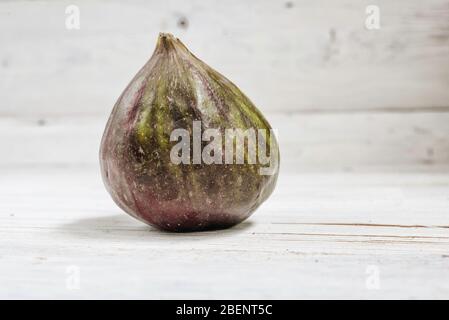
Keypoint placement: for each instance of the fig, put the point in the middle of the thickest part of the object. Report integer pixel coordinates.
(184, 149)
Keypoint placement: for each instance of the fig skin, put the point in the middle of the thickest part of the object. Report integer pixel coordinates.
(173, 89)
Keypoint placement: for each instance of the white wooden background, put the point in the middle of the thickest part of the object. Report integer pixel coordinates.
(356, 97)
(363, 120)
(311, 57)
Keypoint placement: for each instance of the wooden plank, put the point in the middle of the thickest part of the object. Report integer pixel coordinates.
(318, 236)
(310, 56)
(361, 141)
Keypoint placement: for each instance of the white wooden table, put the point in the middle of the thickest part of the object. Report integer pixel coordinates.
(345, 235)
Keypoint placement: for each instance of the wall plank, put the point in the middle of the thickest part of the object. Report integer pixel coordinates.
(307, 141)
(307, 56)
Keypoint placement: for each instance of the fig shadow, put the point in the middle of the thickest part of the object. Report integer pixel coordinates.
(122, 226)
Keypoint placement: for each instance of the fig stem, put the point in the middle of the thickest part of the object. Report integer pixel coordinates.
(168, 42)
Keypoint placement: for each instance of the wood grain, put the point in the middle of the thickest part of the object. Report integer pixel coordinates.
(319, 236)
(308, 57)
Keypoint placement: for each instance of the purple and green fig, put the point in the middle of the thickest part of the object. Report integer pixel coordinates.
(150, 173)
